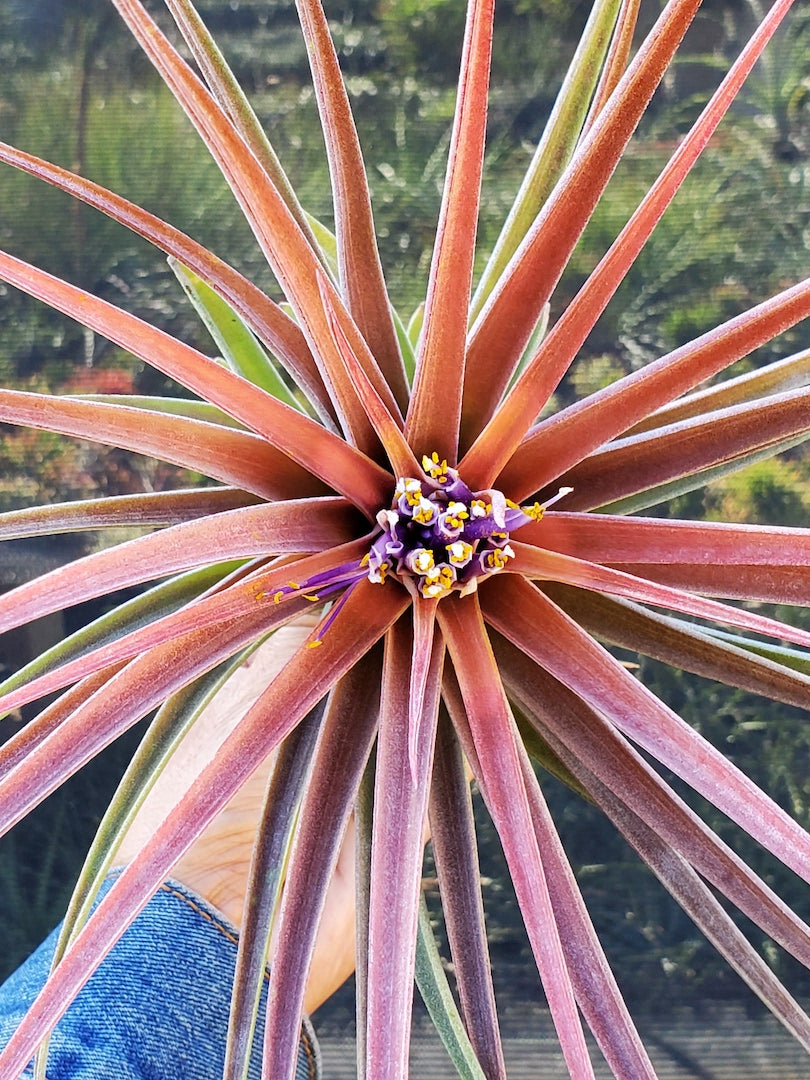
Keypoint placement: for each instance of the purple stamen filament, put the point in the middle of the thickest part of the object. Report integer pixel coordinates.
(438, 537)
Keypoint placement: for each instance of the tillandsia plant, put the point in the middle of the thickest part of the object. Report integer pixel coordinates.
(470, 555)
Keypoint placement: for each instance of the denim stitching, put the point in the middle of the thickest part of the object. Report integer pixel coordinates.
(308, 1048)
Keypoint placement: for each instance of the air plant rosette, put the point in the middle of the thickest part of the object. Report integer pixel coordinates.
(396, 480)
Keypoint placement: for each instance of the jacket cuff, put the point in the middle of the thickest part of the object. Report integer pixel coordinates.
(157, 1006)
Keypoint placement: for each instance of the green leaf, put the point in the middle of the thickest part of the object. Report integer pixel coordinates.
(661, 493)
(234, 339)
(163, 599)
(407, 343)
(415, 324)
(191, 408)
(327, 243)
(436, 994)
(796, 659)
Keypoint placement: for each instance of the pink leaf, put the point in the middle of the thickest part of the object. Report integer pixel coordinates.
(343, 749)
(287, 249)
(159, 508)
(536, 563)
(226, 454)
(506, 323)
(319, 451)
(263, 590)
(400, 809)
(361, 275)
(530, 620)
(543, 372)
(639, 462)
(558, 443)
(271, 325)
(435, 409)
(292, 693)
(495, 737)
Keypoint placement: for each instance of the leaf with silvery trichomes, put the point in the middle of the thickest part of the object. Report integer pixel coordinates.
(438, 999)
(236, 342)
(457, 603)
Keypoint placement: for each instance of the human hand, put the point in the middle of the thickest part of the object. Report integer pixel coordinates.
(216, 866)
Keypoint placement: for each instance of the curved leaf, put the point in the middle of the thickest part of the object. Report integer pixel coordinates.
(494, 735)
(116, 511)
(455, 849)
(535, 563)
(614, 539)
(774, 672)
(233, 337)
(274, 831)
(438, 999)
(132, 614)
(788, 374)
(592, 749)
(291, 694)
(233, 457)
(652, 458)
(272, 326)
(225, 86)
(284, 244)
(434, 413)
(297, 437)
(400, 810)
(558, 443)
(361, 276)
(653, 841)
(340, 757)
(241, 600)
(557, 143)
(269, 528)
(544, 371)
(514, 308)
(529, 619)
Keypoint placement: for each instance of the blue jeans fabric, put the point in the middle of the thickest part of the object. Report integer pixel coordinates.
(157, 1008)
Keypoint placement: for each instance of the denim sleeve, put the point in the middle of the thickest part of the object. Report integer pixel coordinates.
(157, 1008)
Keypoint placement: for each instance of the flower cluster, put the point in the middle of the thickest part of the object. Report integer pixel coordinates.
(440, 536)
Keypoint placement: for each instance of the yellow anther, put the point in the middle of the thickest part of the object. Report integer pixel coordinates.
(498, 558)
(365, 560)
(480, 508)
(435, 468)
(534, 512)
(455, 515)
(277, 596)
(426, 512)
(440, 575)
(422, 560)
(294, 584)
(459, 552)
(312, 597)
(413, 492)
(314, 644)
(377, 577)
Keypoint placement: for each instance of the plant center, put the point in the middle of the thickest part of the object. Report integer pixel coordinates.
(441, 536)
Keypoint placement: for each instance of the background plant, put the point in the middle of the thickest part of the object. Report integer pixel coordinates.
(774, 679)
